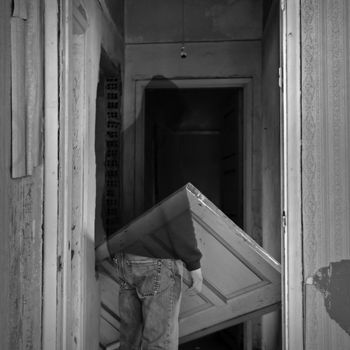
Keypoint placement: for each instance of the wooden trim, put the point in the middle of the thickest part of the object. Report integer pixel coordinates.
(293, 336)
(51, 105)
(230, 323)
(65, 177)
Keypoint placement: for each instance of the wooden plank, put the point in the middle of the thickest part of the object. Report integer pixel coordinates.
(18, 97)
(325, 43)
(5, 165)
(292, 241)
(27, 87)
(50, 317)
(34, 89)
(77, 292)
(65, 199)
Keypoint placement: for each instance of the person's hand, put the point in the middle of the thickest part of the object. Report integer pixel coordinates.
(101, 252)
(197, 281)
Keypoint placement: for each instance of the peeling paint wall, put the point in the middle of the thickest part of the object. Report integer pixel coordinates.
(325, 161)
(333, 282)
(20, 226)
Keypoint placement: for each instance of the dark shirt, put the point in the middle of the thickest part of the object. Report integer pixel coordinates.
(174, 239)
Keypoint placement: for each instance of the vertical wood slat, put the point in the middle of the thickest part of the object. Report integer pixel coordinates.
(5, 154)
(27, 86)
(50, 317)
(18, 97)
(34, 84)
(20, 222)
(293, 335)
(78, 111)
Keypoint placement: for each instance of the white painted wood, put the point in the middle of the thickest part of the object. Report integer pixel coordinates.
(77, 239)
(18, 98)
(293, 334)
(65, 177)
(240, 278)
(51, 177)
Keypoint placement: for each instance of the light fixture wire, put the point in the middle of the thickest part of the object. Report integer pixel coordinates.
(183, 53)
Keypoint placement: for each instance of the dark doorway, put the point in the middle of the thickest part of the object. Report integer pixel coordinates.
(197, 136)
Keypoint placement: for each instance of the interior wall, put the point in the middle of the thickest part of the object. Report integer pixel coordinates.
(271, 155)
(20, 225)
(325, 87)
(157, 21)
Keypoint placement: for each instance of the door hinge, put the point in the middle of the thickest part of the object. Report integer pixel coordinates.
(284, 219)
(59, 263)
(280, 80)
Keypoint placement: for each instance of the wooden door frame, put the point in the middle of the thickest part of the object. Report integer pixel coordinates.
(248, 114)
(58, 299)
(51, 112)
(293, 301)
(58, 174)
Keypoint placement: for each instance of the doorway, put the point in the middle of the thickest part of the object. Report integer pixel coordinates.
(197, 135)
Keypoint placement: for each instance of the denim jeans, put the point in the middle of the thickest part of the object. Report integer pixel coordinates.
(149, 302)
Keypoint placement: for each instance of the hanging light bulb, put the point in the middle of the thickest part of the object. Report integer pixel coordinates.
(183, 53)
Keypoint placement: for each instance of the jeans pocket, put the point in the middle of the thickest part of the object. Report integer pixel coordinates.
(150, 277)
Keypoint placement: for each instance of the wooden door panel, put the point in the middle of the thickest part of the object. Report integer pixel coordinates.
(240, 278)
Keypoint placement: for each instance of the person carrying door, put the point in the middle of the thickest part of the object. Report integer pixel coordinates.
(150, 277)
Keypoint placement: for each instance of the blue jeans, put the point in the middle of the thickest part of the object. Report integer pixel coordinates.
(149, 302)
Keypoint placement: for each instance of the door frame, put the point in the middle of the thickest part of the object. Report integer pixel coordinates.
(51, 112)
(64, 277)
(248, 113)
(293, 300)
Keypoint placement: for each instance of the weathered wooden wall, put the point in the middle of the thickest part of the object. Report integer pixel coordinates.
(20, 226)
(325, 171)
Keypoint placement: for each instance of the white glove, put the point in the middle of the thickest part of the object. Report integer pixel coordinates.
(197, 281)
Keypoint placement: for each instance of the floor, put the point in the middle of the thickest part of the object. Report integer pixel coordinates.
(224, 340)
